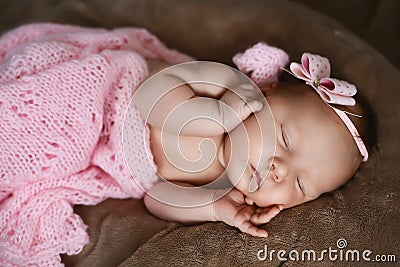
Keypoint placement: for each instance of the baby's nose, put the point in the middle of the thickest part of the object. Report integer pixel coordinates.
(280, 171)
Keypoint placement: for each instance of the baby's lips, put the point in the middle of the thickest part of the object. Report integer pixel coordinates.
(256, 180)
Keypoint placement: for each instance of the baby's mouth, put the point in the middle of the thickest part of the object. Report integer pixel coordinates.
(256, 180)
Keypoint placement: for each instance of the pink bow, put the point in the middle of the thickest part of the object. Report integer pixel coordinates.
(315, 70)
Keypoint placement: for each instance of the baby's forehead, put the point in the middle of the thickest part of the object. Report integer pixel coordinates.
(301, 103)
(295, 91)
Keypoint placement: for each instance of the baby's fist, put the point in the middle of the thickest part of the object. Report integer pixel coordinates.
(237, 105)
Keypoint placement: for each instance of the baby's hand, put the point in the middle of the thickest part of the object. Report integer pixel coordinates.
(233, 210)
(237, 105)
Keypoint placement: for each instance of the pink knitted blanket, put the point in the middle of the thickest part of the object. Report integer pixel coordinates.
(63, 95)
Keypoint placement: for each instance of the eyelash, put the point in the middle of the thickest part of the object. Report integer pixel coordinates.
(287, 147)
(298, 182)
(284, 139)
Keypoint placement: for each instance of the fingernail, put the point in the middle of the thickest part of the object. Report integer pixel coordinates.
(258, 106)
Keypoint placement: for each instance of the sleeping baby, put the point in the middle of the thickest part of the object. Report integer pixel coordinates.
(199, 140)
(277, 147)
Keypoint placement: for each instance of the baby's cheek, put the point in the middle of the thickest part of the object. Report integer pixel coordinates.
(276, 195)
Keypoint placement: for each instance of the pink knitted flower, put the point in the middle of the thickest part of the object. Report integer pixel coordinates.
(263, 61)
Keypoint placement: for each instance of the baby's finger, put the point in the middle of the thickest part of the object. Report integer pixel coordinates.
(255, 106)
(243, 215)
(250, 107)
(265, 215)
(249, 201)
(249, 228)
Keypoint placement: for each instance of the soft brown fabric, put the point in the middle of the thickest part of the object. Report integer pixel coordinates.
(365, 212)
(117, 228)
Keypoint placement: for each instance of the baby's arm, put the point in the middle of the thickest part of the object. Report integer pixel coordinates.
(170, 102)
(196, 205)
(181, 202)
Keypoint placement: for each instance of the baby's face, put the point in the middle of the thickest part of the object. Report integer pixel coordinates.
(314, 152)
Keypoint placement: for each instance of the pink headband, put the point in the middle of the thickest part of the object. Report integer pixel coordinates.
(265, 63)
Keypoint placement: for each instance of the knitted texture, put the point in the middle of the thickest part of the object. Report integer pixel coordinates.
(263, 61)
(63, 95)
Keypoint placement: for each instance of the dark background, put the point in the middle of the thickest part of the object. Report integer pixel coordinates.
(375, 21)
